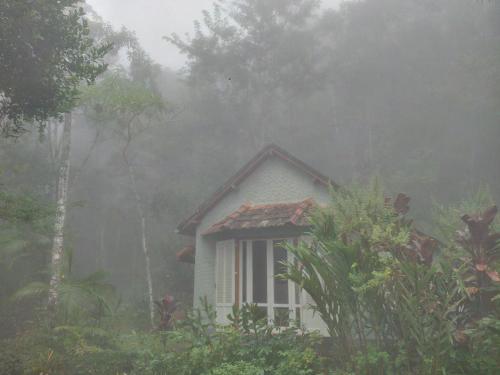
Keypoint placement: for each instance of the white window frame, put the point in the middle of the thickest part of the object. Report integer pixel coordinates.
(270, 305)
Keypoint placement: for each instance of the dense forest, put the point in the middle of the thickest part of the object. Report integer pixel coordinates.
(407, 91)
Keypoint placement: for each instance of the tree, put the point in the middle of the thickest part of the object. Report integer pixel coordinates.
(253, 60)
(278, 71)
(61, 207)
(123, 105)
(59, 142)
(45, 54)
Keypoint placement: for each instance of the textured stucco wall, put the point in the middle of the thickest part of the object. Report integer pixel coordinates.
(274, 181)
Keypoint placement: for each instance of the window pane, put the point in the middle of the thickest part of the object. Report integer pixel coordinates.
(259, 268)
(280, 286)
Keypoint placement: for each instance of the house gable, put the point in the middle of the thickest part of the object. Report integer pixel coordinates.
(275, 174)
(272, 181)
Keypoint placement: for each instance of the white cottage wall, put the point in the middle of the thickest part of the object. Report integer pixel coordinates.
(274, 181)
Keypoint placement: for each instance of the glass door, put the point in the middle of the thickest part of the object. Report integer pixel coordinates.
(262, 261)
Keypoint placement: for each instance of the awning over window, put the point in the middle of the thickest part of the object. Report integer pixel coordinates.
(273, 215)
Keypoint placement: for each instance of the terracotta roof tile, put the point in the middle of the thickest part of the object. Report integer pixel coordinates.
(265, 216)
(186, 254)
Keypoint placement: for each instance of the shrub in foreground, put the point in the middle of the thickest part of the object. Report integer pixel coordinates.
(248, 347)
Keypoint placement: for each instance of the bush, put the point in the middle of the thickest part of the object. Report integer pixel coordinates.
(249, 346)
(64, 350)
(390, 305)
(10, 362)
(240, 368)
(391, 308)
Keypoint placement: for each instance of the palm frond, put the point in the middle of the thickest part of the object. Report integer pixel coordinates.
(32, 290)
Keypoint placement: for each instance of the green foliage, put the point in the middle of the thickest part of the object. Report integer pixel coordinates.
(118, 98)
(346, 264)
(484, 354)
(447, 218)
(425, 319)
(88, 299)
(25, 228)
(10, 361)
(247, 346)
(388, 307)
(66, 350)
(389, 311)
(198, 346)
(21, 209)
(373, 361)
(45, 54)
(242, 368)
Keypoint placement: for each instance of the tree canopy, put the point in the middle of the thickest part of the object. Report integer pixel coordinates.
(45, 53)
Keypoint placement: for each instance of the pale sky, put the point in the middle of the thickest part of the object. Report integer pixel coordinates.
(153, 19)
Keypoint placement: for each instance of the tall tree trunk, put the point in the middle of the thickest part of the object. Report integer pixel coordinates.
(144, 243)
(60, 219)
(141, 213)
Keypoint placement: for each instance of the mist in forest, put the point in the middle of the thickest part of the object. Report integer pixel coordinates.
(406, 90)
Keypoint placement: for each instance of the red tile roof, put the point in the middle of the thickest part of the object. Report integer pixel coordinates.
(189, 225)
(265, 216)
(186, 254)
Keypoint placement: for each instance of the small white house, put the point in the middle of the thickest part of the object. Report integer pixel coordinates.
(238, 234)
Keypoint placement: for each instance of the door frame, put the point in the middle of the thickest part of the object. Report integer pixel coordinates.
(244, 247)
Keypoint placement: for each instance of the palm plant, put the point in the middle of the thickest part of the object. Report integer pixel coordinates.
(25, 224)
(345, 264)
(375, 283)
(90, 298)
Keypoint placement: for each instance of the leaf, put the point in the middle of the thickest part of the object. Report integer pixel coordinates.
(15, 246)
(481, 267)
(493, 275)
(31, 290)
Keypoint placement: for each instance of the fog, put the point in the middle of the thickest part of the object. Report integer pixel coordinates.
(152, 19)
(407, 91)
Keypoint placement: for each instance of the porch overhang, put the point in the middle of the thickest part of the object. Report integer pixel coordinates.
(251, 218)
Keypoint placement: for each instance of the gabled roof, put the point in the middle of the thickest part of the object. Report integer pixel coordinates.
(272, 215)
(188, 226)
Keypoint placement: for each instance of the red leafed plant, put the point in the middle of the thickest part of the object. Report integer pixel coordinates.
(166, 308)
(421, 247)
(482, 249)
